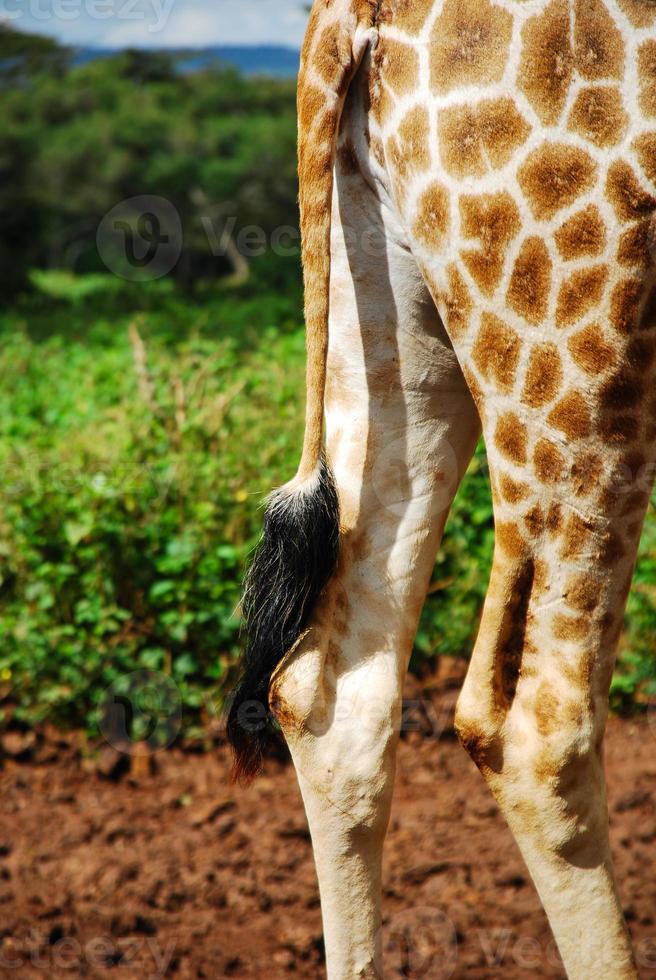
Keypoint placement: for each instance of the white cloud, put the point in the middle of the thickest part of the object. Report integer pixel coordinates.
(161, 23)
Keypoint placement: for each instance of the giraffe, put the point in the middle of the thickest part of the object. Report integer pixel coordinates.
(478, 209)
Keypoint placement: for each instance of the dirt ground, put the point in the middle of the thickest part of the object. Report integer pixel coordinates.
(174, 873)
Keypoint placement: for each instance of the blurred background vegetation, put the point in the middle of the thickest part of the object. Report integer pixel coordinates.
(141, 424)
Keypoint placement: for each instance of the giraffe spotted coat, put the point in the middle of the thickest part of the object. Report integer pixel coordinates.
(478, 200)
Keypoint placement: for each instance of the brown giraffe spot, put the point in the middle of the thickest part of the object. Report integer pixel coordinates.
(544, 376)
(541, 576)
(311, 108)
(546, 711)
(598, 115)
(553, 176)
(634, 460)
(571, 416)
(598, 44)
(475, 391)
(548, 462)
(494, 220)
(400, 166)
(348, 158)
(485, 751)
(624, 390)
(636, 501)
(582, 592)
(647, 76)
(591, 351)
(378, 150)
(496, 351)
(640, 354)
(408, 150)
(608, 621)
(619, 430)
(528, 292)
(378, 100)
(413, 134)
(361, 546)
(512, 641)
(637, 246)
(578, 294)
(625, 304)
(511, 437)
(458, 303)
(634, 528)
(510, 540)
(586, 473)
(554, 518)
(648, 318)
(332, 655)
(408, 15)
(534, 520)
(570, 628)
(546, 61)
(432, 221)
(576, 535)
(645, 147)
(582, 234)
(629, 199)
(512, 490)
(399, 66)
(477, 138)
(641, 13)
(612, 550)
(469, 44)
(331, 55)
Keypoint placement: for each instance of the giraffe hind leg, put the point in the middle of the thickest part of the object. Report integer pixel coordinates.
(533, 708)
(401, 428)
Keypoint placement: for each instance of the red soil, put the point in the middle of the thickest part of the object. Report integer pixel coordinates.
(174, 873)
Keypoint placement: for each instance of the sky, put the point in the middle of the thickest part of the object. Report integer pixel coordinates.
(160, 23)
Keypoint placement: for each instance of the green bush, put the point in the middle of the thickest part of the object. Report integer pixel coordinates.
(133, 472)
(135, 457)
(142, 425)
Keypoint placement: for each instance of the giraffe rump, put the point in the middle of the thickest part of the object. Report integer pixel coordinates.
(292, 564)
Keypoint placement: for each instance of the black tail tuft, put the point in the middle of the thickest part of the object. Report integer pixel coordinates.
(294, 560)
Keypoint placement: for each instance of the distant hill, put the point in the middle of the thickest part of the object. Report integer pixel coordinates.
(256, 60)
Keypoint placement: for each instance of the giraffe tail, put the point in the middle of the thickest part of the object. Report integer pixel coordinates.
(298, 551)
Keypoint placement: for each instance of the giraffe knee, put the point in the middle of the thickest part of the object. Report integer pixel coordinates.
(359, 707)
(480, 740)
(342, 734)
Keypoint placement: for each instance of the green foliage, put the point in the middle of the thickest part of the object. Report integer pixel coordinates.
(134, 466)
(141, 425)
(76, 141)
(451, 612)
(136, 453)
